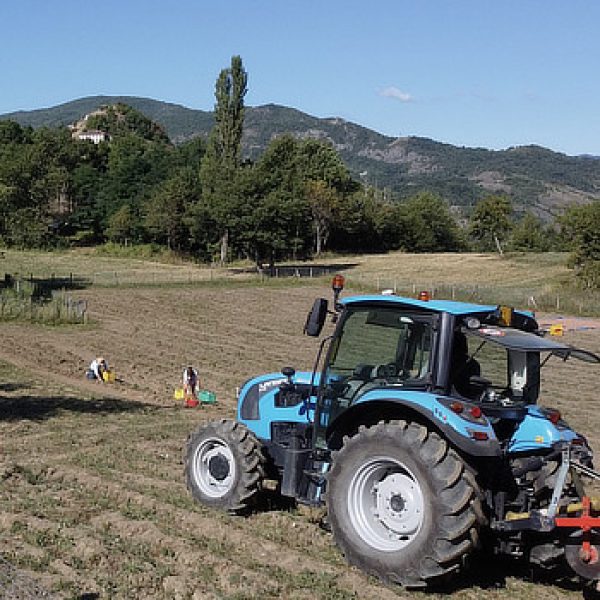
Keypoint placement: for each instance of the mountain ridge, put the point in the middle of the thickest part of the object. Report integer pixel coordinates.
(536, 178)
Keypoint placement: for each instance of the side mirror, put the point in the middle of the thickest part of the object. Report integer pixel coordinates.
(288, 372)
(316, 318)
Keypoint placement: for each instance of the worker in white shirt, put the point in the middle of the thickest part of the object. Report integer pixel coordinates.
(97, 369)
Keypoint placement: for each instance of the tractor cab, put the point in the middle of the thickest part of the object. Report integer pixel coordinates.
(389, 350)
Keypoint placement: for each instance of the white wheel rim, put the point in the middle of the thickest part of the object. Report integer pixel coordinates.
(213, 468)
(385, 504)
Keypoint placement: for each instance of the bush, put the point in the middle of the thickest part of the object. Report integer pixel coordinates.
(24, 301)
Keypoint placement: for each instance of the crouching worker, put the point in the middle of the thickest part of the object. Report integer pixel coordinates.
(97, 368)
(190, 386)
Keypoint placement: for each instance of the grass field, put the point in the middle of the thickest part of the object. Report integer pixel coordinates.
(92, 498)
(534, 281)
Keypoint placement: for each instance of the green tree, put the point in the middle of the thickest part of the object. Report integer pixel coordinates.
(28, 228)
(122, 225)
(326, 182)
(167, 207)
(275, 217)
(36, 183)
(221, 163)
(490, 224)
(581, 225)
(190, 153)
(367, 223)
(85, 222)
(430, 227)
(324, 204)
(134, 167)
(530, 234)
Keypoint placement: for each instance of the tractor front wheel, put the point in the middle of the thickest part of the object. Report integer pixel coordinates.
(401, 504)
(224, 466)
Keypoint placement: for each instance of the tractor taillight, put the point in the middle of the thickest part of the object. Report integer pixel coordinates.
(475, 412)
(457, 407)
(553, 416)
(480, 436)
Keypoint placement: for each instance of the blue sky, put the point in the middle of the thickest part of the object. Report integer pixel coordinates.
(471, 73)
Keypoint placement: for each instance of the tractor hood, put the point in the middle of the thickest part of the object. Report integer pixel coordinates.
(514, 339)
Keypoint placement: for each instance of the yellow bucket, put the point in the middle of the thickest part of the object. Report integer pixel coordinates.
(108, 376)
(558, 329)
(178, 394)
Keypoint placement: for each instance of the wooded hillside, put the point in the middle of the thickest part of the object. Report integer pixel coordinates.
(536, 178)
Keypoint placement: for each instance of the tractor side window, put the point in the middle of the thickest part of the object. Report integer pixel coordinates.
(515, 372)
(492, 359)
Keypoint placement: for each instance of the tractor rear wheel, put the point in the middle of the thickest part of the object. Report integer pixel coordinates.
(224, 466)
(402, 505)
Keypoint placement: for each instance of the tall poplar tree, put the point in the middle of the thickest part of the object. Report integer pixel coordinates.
(221, 163)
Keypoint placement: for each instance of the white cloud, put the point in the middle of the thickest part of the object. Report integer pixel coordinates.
(393, 92)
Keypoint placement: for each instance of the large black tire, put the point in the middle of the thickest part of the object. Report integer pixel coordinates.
(401, 504)
(224, 466)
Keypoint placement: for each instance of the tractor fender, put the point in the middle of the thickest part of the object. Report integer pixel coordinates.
(536, 432)
(424, 408)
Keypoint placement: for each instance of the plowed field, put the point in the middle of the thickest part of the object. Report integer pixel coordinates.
(92, 498)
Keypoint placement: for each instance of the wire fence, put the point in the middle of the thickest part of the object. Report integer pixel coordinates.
(554, 298)
(547, 299)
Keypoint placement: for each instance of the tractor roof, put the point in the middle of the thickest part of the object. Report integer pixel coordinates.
(448, 306)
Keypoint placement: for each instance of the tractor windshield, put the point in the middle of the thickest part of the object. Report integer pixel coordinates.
(374, 346)
(381, 343)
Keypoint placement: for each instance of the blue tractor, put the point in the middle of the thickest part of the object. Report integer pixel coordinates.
(420, 432)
